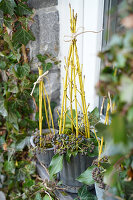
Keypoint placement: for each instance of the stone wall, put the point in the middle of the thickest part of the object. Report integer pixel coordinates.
(46, 31)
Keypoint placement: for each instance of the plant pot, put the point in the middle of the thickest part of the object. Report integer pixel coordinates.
(44, 156)
(99, 192)
(72, 170)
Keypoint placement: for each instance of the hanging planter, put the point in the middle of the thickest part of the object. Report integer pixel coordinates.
(46, 152)
(76, 145)
(72, 157)
(71, 170)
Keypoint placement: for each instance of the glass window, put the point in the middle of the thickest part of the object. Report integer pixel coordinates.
(111, 25)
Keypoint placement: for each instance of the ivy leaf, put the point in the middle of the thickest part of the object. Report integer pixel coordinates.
(9, 166)
(28, 183)
(48, 66)
(42, 58)
(20, 146)
(3, 110)
(118, 129)
(23, 9)
(68, 155)
(126, 89)
(22, 36)
(94, 153)
(25, 21)
(46, 197)
(23, 70)
(94, 116)
(13, 120)
(84, 194)
(8, 22)
(8, 40)
(7, 6)
(68, 118)
(2, 65)
(56, 165)
(86, 177)
(38, 196)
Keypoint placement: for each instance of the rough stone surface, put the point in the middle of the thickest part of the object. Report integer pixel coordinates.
(2, 196)
(42, 3)
(63, 196)
(46, 32)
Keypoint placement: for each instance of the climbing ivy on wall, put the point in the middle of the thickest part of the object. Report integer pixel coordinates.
(17, 170)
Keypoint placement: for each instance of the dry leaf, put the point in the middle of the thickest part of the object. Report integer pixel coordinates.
(128, 21)
(5, 147)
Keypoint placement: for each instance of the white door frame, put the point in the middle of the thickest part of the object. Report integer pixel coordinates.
(90, 16)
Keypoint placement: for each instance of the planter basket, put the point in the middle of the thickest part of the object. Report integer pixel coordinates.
(72, 170)
(44, 156)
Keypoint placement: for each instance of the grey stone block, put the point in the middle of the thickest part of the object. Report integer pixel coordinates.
(63, 196)
(46, 31)
(42, 3)
(2, 196)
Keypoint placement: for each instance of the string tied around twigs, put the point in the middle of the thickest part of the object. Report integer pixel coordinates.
(76, 34)
(38, 81)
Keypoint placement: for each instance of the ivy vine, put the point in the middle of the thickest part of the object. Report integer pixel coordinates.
(18, 179)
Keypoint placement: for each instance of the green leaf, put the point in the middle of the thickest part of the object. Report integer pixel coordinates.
(94, 116)
(130, 114)
(8, 22)
(42, 58)
(86, 177)
(28, 183)
(3, 110)
(118, 129)
(68, 117)
(121, 60)
(13, 88)
(94, 153)
(23, 70)
(68, 155)
(9, 166)
(46, 197)
(38, 196)
(8, 40)
(7, 6)
(22, 36)
(56, 165)
(126, 90)
(2, 65)
(25, 21)
(21, 145)
(13, 120)
(84, 194)
(23, 9)
(48, 66)
(105, 165)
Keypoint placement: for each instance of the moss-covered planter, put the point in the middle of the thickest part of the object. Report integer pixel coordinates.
(43, 155)
(72, 170)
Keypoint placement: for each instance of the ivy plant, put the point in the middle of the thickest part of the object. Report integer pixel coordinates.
(18, 179)
(117, 59)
